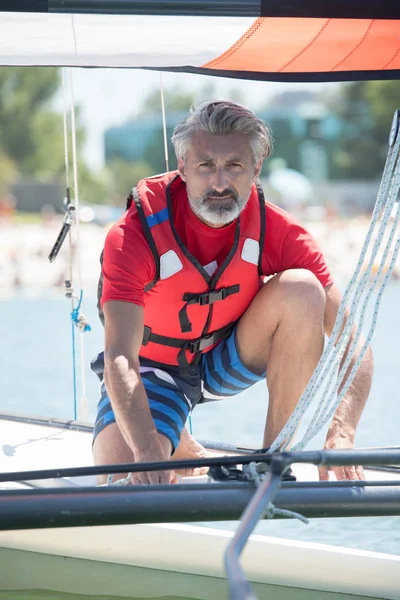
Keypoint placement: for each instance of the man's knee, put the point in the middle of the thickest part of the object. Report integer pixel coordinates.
(298, 291)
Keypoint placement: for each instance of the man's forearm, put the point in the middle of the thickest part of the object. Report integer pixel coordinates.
(349, 411)
(129, 402)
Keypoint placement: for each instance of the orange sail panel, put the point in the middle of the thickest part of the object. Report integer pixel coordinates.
(285, 45)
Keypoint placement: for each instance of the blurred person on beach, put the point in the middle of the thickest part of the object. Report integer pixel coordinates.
(206, 289)
(8, 205)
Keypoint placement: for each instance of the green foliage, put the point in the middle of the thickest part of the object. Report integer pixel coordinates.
(122, 176)
(8, 173)
(25, 119)
(31, 133)
(93, 186)
(154, 153)
(367, 109)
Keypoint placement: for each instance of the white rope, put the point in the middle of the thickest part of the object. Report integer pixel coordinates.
(326, 404)
(313, 428)
(68, 292)
(83, 413)
(331, 406)
(164, 120)
(74, 253)
(65, 129)
(360, 289)
(123, 481)
(75, 174)
(338, 344)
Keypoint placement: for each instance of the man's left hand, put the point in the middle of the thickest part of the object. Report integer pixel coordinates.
(341, 473)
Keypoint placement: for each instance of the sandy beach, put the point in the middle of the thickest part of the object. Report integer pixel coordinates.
(24, 250)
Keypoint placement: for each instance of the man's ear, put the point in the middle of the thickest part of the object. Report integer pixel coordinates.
(181, 169)
(257, 170)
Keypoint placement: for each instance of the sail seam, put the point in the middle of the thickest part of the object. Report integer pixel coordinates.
(392, 59)
(307, 47)
(237, 45)
(364, 37)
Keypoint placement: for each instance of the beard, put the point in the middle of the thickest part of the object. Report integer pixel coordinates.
(218, 212)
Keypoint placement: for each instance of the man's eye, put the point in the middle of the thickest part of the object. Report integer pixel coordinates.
(205, 164)
(234, 165)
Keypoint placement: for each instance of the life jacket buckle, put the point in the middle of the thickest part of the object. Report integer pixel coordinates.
(202, 343)
(214, 296)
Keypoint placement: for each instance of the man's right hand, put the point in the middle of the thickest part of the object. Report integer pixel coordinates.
(158, 450)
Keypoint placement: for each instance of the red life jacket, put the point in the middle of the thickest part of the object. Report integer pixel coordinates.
(187, 311)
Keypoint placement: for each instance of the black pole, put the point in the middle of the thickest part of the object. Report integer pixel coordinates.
(321, 457)
(80, 507)
(240, 588)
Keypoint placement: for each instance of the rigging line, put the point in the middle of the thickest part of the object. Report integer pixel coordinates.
(362, 286)
(289, 429)
(67, 202)
(83, 405)
(386, 278)
(66, 158)
(360, 262)
(164, 121)
(330, 404)
(75, 175)
(323, 419)
(371, 288)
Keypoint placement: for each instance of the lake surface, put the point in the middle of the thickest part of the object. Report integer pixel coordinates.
(36, 379)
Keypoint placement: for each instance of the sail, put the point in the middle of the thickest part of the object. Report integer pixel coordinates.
(275, 41)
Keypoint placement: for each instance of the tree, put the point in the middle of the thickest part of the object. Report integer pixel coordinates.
(366, 109)
(31, 132)
(122, 176)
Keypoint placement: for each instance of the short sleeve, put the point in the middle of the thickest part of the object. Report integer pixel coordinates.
(288, 245)
(128, 264)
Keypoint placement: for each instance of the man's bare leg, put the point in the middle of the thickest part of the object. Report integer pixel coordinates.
(282, 332)
(110, 448)
(190, 448)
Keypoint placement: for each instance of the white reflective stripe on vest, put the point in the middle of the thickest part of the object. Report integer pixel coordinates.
(170, 264)
(251, 251)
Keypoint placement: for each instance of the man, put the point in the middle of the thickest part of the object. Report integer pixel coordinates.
(188, 316)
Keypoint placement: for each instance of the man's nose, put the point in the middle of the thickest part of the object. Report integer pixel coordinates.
(220, 179)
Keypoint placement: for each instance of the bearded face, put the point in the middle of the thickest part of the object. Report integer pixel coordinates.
(218, 208)
(219, 173)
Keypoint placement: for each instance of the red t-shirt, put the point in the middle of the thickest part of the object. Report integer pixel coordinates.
(128, 264)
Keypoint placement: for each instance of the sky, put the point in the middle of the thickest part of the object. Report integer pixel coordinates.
(109, 97)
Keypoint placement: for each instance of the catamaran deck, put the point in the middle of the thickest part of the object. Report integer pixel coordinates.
(165, 559)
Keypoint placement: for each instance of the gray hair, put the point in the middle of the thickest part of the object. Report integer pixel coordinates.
(223, 117)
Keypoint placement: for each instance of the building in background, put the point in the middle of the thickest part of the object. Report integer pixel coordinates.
(305, 135)
(308, 140)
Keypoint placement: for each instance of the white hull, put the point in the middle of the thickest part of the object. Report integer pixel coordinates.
(183, 561)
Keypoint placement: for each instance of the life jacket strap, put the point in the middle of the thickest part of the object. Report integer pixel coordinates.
(195, 346)
(203, 299)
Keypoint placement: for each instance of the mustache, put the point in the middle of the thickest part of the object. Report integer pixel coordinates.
(226, 192)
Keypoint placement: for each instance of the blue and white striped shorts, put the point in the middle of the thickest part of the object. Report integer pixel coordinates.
(220, 374)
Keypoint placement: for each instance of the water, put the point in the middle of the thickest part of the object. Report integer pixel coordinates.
(36, 379)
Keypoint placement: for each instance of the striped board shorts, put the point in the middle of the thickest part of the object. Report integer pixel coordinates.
(219, 374)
